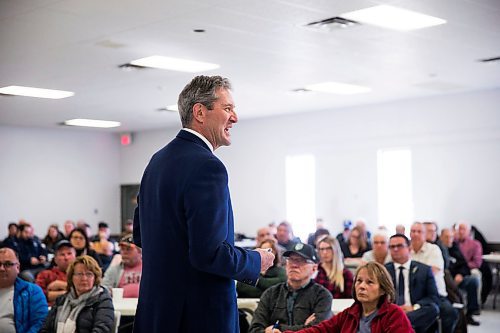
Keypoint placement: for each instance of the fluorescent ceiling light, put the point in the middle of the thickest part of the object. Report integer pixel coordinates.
(92, 123)
(172, 107)
(393, 18)
(338, 88)
(174, 64)
(35, 92)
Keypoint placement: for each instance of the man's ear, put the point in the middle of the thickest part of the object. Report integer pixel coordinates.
(199, 112)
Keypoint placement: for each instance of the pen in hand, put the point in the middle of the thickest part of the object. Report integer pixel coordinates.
(276, 325)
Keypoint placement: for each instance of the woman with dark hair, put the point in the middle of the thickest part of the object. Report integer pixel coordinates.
(78, 238)
(53, 236)
(331, 271)
(274, 275)
(86, 306)
(373, 309)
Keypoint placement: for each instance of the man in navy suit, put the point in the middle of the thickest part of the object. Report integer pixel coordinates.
(184, 223)
(416, 289)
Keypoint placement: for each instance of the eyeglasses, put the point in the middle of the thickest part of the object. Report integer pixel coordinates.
(320, 249)
(88, 275)
(397, 246)
(378, 243)
(7, 264)
(298, 261)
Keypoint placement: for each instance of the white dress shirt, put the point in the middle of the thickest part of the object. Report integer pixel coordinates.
(430, 254)
(406, 275)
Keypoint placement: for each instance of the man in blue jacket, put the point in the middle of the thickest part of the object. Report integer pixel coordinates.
(184, 223)
(23, 307)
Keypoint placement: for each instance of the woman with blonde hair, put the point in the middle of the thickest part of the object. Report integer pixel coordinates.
(373, 309)
(86, 306)
(331, 271)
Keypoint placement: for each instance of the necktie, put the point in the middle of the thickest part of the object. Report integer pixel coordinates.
(401, 287)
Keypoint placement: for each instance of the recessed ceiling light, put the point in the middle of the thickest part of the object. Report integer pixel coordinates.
(338, 88)
(393, 18)
(35, 92)
(92, 123)
(174, 64)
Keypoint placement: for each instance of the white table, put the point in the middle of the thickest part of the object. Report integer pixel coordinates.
(126, 306)
(494, 259)
(340, 304)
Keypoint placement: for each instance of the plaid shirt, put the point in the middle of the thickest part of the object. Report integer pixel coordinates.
(322, 279)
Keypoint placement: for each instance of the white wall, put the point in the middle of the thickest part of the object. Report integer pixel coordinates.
(455, 142)
(48, 176)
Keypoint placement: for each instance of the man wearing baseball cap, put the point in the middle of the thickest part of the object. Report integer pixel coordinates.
(127, 274)
(53, 280)
(297, 303)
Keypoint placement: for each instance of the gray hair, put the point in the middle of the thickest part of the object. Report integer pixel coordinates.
(202, 89)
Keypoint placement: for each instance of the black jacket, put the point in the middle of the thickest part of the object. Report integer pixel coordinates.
(458, 264)
(97, 315)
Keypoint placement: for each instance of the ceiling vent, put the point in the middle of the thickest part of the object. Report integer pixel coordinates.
(333, 23)
(490, 60)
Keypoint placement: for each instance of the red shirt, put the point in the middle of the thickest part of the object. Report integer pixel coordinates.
(322, 279)
(46, 277)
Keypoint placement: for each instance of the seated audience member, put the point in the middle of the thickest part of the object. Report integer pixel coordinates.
(102, 244)
(460, 272)
(128, 228)
(356, 244)
(32, 255)
(400, 229)
(263, 234)
(274, 275)
(380, 249)
(297, 303)
(313, 236)
(285, 236)
(53, 280)
(81, 224)
(86, 306)
(431, 236)
(68, 228)
(373, 310)
(53, 236)
(431, 255)
(331, 271)
(80, 242)
(343, 236)
(11, 240)
(361, 224)
(23, 306)
(416, 292)
(127, 274)
(470, 248)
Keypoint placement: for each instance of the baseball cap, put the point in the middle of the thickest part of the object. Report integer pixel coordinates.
(304, 250)
(127, 240)
(62, 243)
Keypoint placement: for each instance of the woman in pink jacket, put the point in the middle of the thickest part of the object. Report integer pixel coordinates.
(372, 311)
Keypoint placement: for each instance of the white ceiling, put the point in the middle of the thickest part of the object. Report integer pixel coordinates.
(262, 46)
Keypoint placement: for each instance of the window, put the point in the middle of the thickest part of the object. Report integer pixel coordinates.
(395, 199)
(301, 194)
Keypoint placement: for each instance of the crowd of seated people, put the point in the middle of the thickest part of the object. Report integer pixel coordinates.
(416, 266)
(295, 293)
(69, 284)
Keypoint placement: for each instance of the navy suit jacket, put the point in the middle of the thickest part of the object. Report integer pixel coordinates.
(184, 224)
(423, 288)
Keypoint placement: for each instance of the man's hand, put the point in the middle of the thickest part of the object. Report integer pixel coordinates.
(406, 308)
(57, 285)
(310, 319)
(34, 261)
(266, 259)
(269, 329)
(458, 279)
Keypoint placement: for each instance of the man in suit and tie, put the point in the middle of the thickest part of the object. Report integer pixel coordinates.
(415, 286)
(184, 223)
